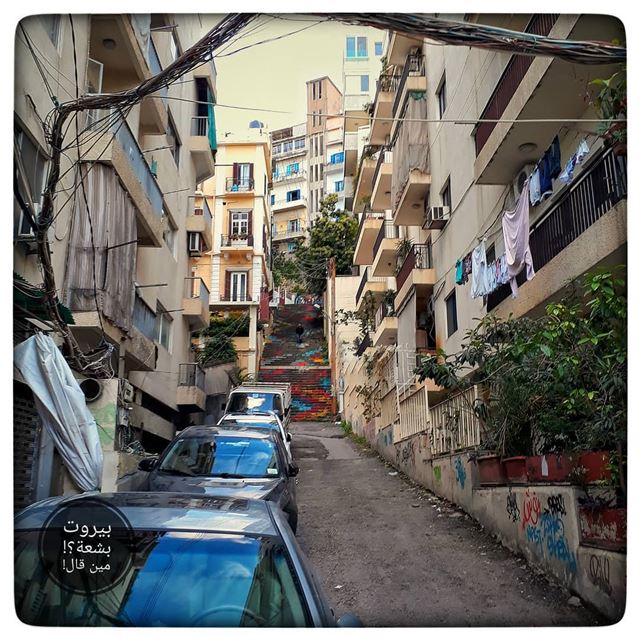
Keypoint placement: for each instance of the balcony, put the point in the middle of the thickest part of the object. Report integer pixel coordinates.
(208, 71)
(385, 249)
(417, 273)
(290, 176)
(153, 109)
(290, 152)
(525, 90)
(239, 185)
(584, 225)
(376, 285)
(350, 152)
(195, 303)
(237, 298)
(386, 324)
(410, 207)
(413, 79)
(200, 147)
(290, 233)
(122, 152)
(365, 178)
(330, 167)
(381, 194)
(236, 240)
(400, 45)
(283, 204)
(190, 394)
(200, 221)
(387, 85)
(368, 229)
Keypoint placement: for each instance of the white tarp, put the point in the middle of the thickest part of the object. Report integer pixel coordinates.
(62, 407)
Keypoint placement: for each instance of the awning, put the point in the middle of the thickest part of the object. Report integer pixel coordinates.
(29, 301)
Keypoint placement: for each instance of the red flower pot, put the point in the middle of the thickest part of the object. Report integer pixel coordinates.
(551, 467)
(595, 463)
(604, 528)
(490, 470)
(516, 469)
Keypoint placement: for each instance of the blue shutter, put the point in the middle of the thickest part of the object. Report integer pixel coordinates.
(351, 47)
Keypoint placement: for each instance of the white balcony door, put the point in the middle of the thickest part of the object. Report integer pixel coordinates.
(239, 227)
(238, 286)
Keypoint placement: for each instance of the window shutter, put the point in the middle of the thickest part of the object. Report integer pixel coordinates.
(251, 173)
(236, 173)
(230, 216)
(227, 285)
(250, 224)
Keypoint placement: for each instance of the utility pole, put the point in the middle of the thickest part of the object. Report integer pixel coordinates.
(332, 331)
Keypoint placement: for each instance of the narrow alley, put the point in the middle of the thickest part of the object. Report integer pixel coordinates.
(400, 556)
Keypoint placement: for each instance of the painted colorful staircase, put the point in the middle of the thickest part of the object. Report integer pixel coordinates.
(304, 365)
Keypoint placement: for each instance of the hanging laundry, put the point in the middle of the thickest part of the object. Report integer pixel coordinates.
(467, 267)
(492, 278)
(515, 229)
(546, 183)
(459, 278)
(502, 270)
(582, 151)
(534, 187)
(577, 158)
(479, 285)
(555, 164)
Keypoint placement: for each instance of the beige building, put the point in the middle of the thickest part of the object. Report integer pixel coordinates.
(429, 191)
(122, 241)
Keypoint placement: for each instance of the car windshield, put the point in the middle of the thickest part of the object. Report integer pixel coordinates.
(251, 402)
(222, 455)
(239, 422)
(178, 579)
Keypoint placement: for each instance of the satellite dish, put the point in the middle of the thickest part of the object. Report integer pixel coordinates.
(256, 124)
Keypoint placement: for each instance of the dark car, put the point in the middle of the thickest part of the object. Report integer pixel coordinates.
(235, 461)
(197, 561)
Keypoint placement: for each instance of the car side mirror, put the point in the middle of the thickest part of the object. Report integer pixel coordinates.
(294, 469)
(288, 437)
(349, 620)
(147, 464)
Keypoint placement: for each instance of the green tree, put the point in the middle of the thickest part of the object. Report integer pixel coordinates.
(334, 235)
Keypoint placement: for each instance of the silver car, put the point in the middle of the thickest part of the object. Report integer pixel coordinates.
(196, 561)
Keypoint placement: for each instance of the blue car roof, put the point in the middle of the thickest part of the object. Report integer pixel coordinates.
(168, 511)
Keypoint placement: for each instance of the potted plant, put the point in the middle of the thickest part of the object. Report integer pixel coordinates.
(491, 471)
(550, 467)
(403, 248)
(515, 469)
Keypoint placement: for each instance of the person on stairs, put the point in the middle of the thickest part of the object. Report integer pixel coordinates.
(299, 332)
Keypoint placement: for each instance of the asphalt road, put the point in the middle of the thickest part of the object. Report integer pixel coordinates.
(397, 555)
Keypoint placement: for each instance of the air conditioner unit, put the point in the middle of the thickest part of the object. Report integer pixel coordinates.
(435, 217)
(195, 243)
(518, 183)
(25, 232)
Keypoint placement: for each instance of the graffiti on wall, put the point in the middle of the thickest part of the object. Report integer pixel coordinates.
(545, 530)
(437, 474)
(461, 474)
(513, 510)
(406, 453)
(599, 573)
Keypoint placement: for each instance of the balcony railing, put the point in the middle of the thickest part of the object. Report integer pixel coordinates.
(364, 344)
(414, 66)
(384, 311)
(199, 125)
(236, 240)
(293, 175)
(289, 152)
(156, 68)
(334, 166)
(196, 288)
(191, 374)
(510, 80)
(237, 297)
(387, 230)
(386, 83)
(418, 258)
(204, 210)
(453, 423)
(289, 233)
(385, 156)
(238, 184)
(282, 202)
(592, 194)
(367, 277)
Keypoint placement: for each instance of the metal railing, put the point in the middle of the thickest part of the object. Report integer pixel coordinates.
(365, 343)
(238, 184)
(302, 200)
(594, 192)
(293, 175)
(387, 230)
(414, 416)
(156, 68)
(196, 288)
(204, 211)
(385, 156)
(289, 152)
(236, 240)
(191, 374)
(238, 297)
(384, 311)
(510, 80)
(418, 258)
(199, 125)
(289, 233)
(414, 66)
(454, 425)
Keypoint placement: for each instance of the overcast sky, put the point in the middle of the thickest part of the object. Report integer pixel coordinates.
(273, 75)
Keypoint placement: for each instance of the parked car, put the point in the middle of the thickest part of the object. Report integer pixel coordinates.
(258, 420)
(262, 396)
(235, 461)
(199, 562)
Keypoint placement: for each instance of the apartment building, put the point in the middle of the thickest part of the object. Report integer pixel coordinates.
(288, 198)
(120, 246)
(430, 190)
(239, 275)
(323, 99)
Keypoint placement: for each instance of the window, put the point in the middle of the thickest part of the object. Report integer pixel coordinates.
(442, 95)
(276, 149)
(362, 48)
(163, 327)
(299, 143)
(452, 313)
(293, 168)
(320, 117)
(243, 175)
(293, 195)
(273, 198)
(337, 158)
(293, 225)
(339, 186)
(313, 90)
(291, 247)
(239, 223)
(51, 25)
(445, 194)
(321, 149)
(364, 83)
(238, 284)
(319, 89)
(173, 141)
(321, 171)
(377, 46)
(351, 47)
